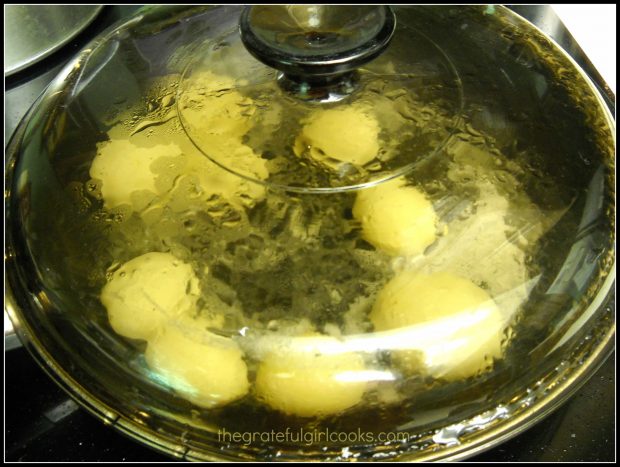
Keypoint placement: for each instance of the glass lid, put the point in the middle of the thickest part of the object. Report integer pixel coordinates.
(394, 226)
(323, 124)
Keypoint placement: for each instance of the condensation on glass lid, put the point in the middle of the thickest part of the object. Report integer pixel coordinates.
(403, 109)
(310, 305)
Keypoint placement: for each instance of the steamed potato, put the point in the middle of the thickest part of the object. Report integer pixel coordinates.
(147, 291)
(396, 218)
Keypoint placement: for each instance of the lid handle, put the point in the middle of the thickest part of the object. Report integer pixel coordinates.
(316, 43)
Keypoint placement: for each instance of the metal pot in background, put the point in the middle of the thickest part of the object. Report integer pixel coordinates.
(33, 32)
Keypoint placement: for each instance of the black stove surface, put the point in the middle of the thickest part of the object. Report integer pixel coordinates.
(43, 424)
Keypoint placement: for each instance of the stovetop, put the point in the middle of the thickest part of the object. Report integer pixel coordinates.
(43, 424)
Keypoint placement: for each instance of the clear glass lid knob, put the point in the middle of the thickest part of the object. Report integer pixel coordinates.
(316, 42)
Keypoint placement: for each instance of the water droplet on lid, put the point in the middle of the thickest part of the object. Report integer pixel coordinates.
(167, 100)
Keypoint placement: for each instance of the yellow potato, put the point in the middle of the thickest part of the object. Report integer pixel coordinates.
(395, 218)
(440, 323)
(147, 291)
(209, 103)
(311, 377)
(138, 167)
(138, 171)
(231, 187)
(216, 118)
(125, 170)
(209, 372)
(343, 135)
